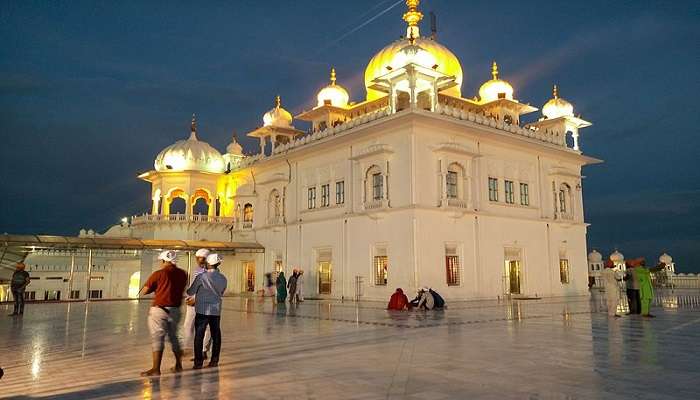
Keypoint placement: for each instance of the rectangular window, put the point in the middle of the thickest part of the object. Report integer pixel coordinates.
(340, 192)
(30, 295)
(452, 266)
(312, 198)
(451, 179)
(524, 194)
(493, 189)
(510, 194)
(562, 201)
(377, 186)
(325, 195)
(564, 270)
(381, 267)
(75, 294)
(95, 294)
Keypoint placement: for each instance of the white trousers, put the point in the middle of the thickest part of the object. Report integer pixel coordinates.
(188, 331)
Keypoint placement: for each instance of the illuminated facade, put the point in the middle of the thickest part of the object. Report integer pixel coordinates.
(414, 186)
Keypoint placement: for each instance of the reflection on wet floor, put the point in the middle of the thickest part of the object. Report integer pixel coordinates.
(333, 349)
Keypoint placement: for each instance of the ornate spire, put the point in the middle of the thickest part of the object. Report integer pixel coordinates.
(412, 18)
(332, 76)
(193, 127)
(494, 70)
(555, 92)
(278, 102)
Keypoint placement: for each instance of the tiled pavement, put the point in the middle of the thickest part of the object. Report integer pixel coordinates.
(533, 349)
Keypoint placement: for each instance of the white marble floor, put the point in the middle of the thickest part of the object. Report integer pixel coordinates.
(544, 349)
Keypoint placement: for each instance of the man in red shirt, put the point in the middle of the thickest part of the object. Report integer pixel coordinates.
(168, 283)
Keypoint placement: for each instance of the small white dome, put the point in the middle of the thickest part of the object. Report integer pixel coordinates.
(234, 147)
(495, 88)
(335, 94)
(190, 155)
(617, 257)
(666, 259)
(595, 256)
(278, 116)
(557, 107)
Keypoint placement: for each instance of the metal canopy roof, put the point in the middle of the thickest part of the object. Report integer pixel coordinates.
(14, 248)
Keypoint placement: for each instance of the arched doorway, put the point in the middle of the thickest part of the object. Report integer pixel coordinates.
(200, 207)
(201, 202)
(178, 206)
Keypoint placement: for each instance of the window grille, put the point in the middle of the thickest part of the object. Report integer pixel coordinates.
(325, 195)
(493, 189)
(75, 294)
(96, 294)
(564, 270)
(340, 192)
(452, 269)
(524, 194)
(312, 198)
(381, 270)
(377, 186)
(452, 184)
(510, 195)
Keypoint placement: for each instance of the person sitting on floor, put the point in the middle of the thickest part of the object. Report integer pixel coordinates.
(398, 301)
(427, 301)
(439, 301)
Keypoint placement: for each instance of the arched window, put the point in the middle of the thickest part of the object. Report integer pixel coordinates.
(565, 199)
(201, 201)
(454, 181)
(374, 184)
(248, 213)
(274, 204)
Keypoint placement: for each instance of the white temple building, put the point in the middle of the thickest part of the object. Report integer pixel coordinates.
(416, 185)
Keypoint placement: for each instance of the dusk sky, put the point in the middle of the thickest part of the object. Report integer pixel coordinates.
(90, 92)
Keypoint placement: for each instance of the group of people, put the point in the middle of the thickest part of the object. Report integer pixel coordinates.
(426, 299)
(201, 328)
(638, 285)
(292, 288)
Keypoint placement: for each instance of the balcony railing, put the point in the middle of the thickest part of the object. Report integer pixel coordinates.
(375, 204)
(158, 218)
(247, 224)
(457, 203)
(276, 220)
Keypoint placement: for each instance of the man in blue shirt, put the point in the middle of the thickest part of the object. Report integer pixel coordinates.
(208, 288)
(188, 326)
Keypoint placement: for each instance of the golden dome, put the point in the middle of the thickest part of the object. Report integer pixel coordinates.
(333, 93)
(278, 116)
(557, 107)
(447, 62)
(495, 88)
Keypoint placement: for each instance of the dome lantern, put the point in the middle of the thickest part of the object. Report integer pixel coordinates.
(190, 154)
(595, 257)
(557, 107)
(617, 257)
(278, 116)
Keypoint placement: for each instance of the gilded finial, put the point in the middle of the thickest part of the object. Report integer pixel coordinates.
(494, 70)
(412, 18)
(555, 92)
(332, 76)
(234, 137)
(278, 101)
(193, 123)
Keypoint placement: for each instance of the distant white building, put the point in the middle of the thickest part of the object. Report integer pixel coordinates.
(413, 186)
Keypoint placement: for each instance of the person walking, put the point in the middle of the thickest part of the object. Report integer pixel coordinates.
(611, 282)
(292, 286)
(269, 285)
(208, 288)
(300, 286)
(646, 291)
(632, 281)
(281, 288)
(188, 326)
(168, 283)
(20, 280)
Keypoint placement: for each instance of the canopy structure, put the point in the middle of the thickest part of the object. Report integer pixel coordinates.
(14, 248)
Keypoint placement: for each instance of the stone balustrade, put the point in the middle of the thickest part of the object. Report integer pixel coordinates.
(160, 218)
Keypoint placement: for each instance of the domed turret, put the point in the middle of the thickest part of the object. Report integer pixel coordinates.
(595, 257)
(666, 259)
(557, 107)
(447, 63)
(278, 116)
(333, 94)
(495, 88)
(617, 257)
(234, 148)
(190, 155)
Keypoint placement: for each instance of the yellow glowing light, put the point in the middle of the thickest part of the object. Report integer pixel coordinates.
(334, 94)
(278, 116)
(557, 107)
(495, 88)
